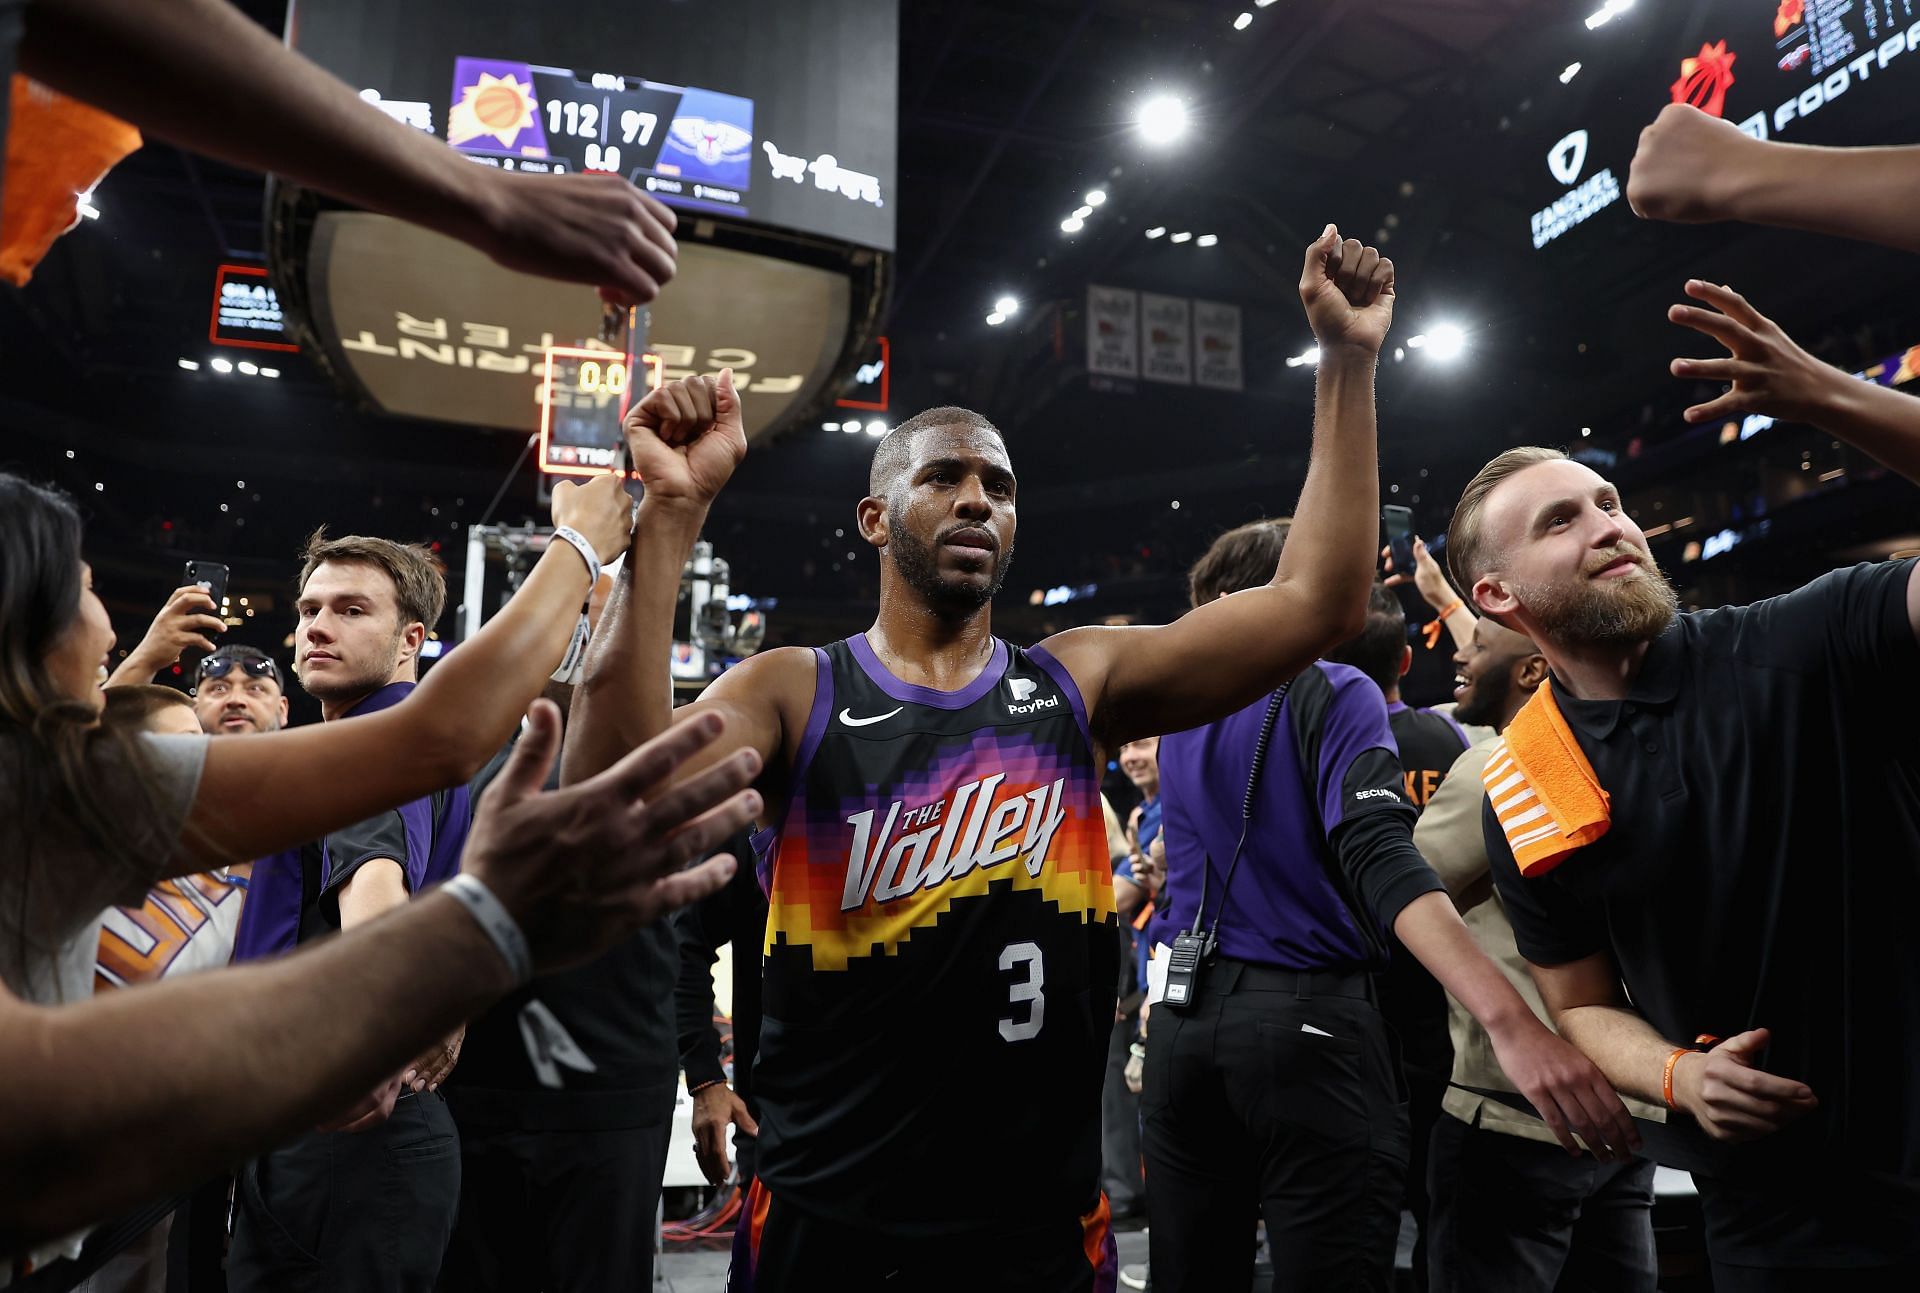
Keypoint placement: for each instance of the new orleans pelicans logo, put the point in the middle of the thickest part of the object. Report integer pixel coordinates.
(928, 846)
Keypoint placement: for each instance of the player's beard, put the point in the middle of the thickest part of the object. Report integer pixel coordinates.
(919, 564)
(1481, 705)
(1604, 612)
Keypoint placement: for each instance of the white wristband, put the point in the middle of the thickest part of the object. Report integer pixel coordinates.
(579, 541)
(498, 923)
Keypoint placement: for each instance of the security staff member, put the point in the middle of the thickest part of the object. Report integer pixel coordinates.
(1276, 1079)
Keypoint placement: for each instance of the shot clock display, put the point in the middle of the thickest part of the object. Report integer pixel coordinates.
(584, 398)
(691, 147)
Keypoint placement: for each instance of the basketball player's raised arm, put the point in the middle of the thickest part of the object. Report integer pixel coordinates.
(1220, 657)
(686, 438)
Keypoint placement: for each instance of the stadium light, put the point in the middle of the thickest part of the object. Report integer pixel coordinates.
(1072, 224)
(221, 365)
(1182, 236)
(1446, 342)
(1206, 240)
(995, 319)
(1096, 197)
(1006, 305)
(1244, 21)
(1158, 231)
(1162, 119)
(1607, 13)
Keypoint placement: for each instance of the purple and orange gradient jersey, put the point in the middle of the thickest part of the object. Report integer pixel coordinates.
(941, 954)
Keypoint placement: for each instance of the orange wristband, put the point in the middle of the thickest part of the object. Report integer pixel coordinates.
(1437, 625)
(1703, 1042)
(1666, 1078)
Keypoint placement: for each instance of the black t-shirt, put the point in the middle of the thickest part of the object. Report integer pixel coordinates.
(1762, 866)
(1429, 743)
(616, 1011)
(736, 916)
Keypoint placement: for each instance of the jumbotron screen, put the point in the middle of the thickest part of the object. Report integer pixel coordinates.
(758, 110)
(1799, 71)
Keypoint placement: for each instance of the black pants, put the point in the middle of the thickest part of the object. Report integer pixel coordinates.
(368, 1211)
(1120, 1126)
(560, 1211)
(1286, 1099)
(1828, 1226)
(777, 1248)
(1511, 1215)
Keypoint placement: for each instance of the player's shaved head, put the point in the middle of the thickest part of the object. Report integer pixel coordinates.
(894, 454)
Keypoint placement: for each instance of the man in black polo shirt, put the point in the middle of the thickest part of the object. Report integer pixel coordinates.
(1752, 871)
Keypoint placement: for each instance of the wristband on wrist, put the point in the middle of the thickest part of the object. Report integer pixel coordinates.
(1704, 1042)
(568, 534)
(497, 922)
(1438, 623)
(696, 1090)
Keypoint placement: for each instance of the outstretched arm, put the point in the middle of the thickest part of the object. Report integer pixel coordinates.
(201, 1070)
(278, 789)
(1220, 657)
(201, 74)
(1693, 168)
(1768, 373)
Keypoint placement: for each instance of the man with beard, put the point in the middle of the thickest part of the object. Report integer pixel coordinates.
(368, 1206)
(237, 690)
(1705, 827)
(941, 959)
(1509, 1210)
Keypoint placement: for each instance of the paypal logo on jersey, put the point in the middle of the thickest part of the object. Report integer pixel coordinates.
(1023, 701)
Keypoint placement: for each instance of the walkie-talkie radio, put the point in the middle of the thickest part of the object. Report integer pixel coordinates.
(1193, 951)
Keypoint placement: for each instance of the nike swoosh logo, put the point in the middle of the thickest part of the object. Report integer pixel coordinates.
(846, 716)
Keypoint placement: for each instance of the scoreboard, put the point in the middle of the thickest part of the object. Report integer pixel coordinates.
(1841, 72)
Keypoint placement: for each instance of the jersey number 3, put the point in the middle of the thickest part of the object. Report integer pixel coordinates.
(1030, 990)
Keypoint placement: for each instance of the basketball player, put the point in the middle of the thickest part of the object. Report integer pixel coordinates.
(940, 960)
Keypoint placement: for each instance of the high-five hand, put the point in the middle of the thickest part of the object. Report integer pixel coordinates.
(686, 438)
(1347, 289)
(1768, 373)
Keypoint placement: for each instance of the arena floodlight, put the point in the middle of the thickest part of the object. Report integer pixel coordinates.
(1244, 21)
(1607, 13)
(995, 319)
(1006, 305)
(1569, 72)
(1096, 197)
(250, 368)
(1206, 240)
(851, 428)
(1082, 212)
(877, 429)
(1162, 119)
(1446, 342)
(1158, 231)
(1183, 236)
(191, 365)
(1072, 224)
(221, 365)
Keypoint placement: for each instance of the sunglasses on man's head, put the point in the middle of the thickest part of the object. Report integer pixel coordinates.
(255, 667)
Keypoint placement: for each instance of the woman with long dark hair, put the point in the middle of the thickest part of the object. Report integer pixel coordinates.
(91, 816)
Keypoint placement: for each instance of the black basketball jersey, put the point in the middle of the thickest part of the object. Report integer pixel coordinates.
(940, 958)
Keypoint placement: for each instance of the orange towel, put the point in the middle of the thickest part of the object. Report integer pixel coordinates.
(56, 149)
(1543, 789)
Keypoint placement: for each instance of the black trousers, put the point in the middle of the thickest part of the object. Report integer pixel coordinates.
(1511, 1215)
(559, 1211)
(1279, 1092)
(1120, 1126)
(368, 1211)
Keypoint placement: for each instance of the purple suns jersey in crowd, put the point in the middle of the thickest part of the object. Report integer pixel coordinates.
(295, 896)
(940, 959)
(1331, 759)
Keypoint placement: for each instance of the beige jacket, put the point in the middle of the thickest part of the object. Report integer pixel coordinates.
(1448, 836)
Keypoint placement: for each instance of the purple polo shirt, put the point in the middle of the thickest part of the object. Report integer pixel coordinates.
(1285, 908)
(294, 895)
